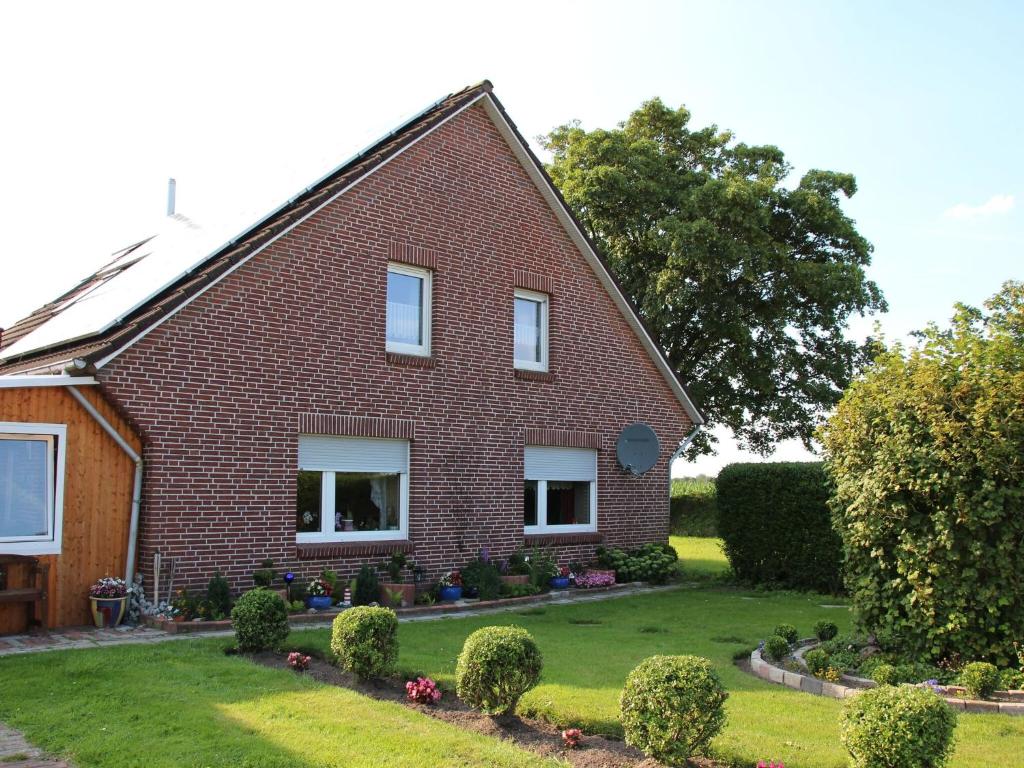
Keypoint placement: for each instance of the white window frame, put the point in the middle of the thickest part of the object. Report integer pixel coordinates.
(542, 507)
(49, 543)
(420, 350)
(327, 534)
(544, 300)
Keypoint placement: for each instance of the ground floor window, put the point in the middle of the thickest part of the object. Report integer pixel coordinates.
(352, 489)
(559, 490)
(31, 487)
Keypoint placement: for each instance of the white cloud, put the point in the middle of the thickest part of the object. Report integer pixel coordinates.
(994, 205)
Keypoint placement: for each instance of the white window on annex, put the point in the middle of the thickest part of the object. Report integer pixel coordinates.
(31, 487)
(352, 489)
(408, 310)
(531, 330)
(559, 490)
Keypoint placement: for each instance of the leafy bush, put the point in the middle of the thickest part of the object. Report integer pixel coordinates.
(264, 577)
(672, 706)
(885, 674)
(903, 727)
(484, 577)
(844, 660)
(817, 661)
(260, 619)
(924, 451)
(776, 527)
(652, 562)
(1011, 680)
(787, 631)
(825, 630)
(694, 511)
(365, 641)
(518, 590)
(367, 588)
(980, 678)
(496, 667)
(218, 595)
(776, 647)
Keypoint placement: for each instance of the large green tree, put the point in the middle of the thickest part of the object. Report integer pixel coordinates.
(747, 284)
(926, 453)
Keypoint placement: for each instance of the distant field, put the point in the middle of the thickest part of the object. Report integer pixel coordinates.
(694, 511)
(700, 558)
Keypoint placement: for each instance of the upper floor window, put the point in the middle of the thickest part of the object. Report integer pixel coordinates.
(531, 330)
(31, 487)
(408, 315)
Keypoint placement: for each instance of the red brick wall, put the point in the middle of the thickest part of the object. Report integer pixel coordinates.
(218, 390)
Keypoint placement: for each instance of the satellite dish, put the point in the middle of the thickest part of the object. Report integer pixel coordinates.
(637, 448)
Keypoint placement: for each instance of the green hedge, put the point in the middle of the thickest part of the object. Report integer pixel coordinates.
(694, 508)
(775, 522)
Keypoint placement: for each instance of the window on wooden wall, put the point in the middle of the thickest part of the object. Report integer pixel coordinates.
(31, 487)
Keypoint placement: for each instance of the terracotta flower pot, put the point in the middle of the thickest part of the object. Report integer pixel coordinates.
(517, 579)
(408, 594)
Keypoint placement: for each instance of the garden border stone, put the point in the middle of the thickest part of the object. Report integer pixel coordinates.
(809, 684)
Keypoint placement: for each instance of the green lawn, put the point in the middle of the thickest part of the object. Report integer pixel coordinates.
(187, 704)
(700, 558)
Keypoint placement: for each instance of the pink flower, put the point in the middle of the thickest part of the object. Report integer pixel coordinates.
(422, 690)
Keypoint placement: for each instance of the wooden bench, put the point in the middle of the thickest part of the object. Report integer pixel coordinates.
(33, 596)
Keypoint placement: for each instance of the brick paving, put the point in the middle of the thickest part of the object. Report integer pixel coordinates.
(15, 752)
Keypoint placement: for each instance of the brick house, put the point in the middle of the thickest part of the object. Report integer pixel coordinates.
(420, 352)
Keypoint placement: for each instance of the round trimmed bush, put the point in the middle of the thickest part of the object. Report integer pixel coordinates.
(903, 727)
(825, 630)
(776, 648)
(496, 667)
(885, 674)
(817, 661)
(260, 619)
(980, 679)
(672, 707)
(365, 641)
(787, 631)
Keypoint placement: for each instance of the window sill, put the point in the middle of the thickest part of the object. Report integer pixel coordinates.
(559, 539)
(333, 549)
(410, 361)
(528, 375)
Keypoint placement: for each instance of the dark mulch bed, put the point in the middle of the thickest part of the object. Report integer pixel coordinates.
(535, 735)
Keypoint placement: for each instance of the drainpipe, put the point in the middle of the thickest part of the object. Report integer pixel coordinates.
(133, 530)
(683, 445)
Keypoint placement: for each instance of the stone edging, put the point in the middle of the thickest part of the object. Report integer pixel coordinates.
(809, 684)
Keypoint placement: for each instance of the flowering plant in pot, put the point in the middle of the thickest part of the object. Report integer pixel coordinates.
(450, 586)
(108, 600)
(318, 594)
(395, 592)
(561, 581)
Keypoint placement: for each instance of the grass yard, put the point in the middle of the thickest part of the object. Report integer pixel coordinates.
(700, 558)
(185, 703)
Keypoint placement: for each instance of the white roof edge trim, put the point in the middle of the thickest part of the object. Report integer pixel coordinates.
(21, 381)
(498, 118)
(281, 234)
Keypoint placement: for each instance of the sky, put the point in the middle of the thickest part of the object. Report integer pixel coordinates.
(247, 103)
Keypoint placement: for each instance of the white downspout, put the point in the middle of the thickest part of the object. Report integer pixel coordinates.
(683, 445)
(133, 529)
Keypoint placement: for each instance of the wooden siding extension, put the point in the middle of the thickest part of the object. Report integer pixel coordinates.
(97, 500)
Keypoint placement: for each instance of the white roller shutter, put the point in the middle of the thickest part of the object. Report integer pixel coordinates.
(549, 463)
(352, 454)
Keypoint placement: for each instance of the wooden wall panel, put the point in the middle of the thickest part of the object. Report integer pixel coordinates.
(97, 499)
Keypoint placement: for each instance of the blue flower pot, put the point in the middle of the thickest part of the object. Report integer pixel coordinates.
(451, 593)
(320, 602)
(559, 582)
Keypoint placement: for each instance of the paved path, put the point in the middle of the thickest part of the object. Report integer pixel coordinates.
(90, 637)
(15, 752)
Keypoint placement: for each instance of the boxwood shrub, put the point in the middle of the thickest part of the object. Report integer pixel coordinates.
(788, 631)
(496, 667)
(672, 707)
(776, 647)
(897, 727)
(980, 678)
(776, 525)
(365, 641)
(260, 619)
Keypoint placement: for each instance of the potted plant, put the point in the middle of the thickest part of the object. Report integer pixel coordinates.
(516, 569)
(561, 581)
(450, 586)
(394, 592)
(108, 598)
(318, 594)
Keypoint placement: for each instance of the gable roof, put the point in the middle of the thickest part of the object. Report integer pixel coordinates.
(150, 281)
